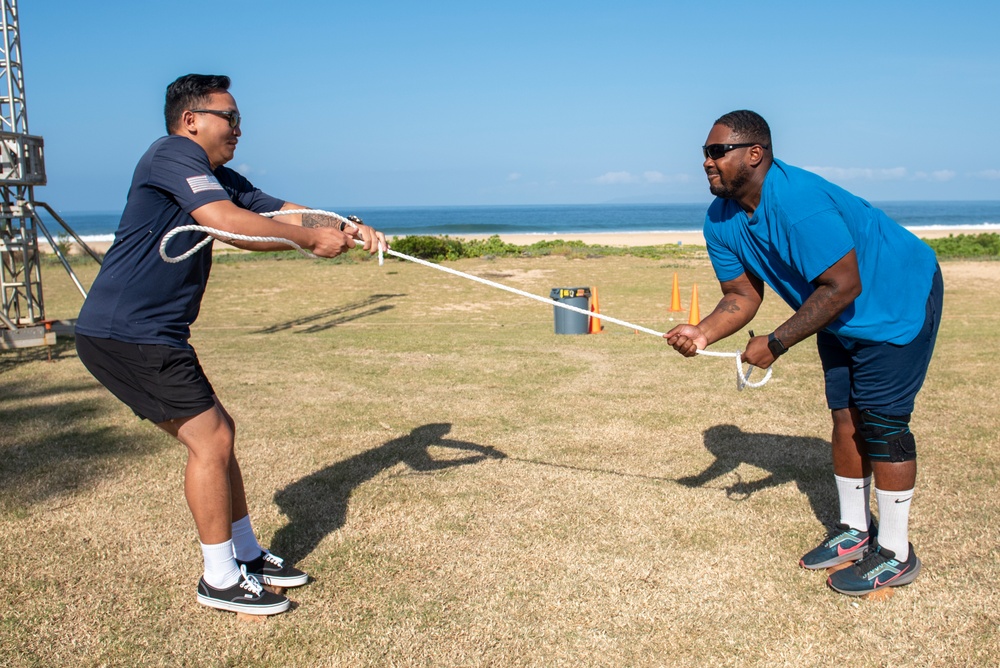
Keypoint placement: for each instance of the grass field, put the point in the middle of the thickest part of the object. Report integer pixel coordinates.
(469, 489)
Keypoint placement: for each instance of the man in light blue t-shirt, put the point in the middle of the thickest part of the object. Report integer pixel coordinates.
(868, 289)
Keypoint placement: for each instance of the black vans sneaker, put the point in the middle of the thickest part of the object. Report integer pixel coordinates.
(271, 570)
(247, 596)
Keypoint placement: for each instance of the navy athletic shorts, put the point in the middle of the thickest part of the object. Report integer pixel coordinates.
(158, 383)
(881, 377)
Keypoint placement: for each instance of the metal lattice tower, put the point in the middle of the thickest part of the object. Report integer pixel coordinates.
(22, 167)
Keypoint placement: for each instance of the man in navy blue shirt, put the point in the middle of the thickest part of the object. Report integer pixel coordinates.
(132, 332)
(868, 289)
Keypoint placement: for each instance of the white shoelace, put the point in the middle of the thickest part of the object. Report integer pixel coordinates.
(270, 558)
(250, 583)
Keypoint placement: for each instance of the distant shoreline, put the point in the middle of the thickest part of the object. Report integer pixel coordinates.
(621, 239)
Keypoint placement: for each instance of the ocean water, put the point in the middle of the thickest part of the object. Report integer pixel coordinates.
(563, 221)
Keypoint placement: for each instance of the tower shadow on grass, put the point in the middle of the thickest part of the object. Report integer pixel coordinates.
(316, 505)
(332, 317)
(804, 461)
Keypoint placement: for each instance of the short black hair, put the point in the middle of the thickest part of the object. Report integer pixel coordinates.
(749, 126)
(191, 91)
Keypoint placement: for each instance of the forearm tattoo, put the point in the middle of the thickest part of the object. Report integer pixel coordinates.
(819, 310)
(316, 220)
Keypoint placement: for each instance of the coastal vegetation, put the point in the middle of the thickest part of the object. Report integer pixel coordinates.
(985, 246)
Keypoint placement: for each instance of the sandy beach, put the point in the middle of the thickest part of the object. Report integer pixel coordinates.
(599, 238)
(672, 238)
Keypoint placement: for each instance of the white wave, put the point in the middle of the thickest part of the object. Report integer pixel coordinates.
(980, 227)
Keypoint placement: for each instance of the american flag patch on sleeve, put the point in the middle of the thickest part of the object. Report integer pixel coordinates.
(204, 182)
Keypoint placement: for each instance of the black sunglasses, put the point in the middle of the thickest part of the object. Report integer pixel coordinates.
(716, 151)
(232, 116)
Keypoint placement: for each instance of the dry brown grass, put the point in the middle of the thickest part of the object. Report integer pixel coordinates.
(468, 488)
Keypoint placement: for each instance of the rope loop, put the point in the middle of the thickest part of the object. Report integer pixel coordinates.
(211, 232)
(742, 377)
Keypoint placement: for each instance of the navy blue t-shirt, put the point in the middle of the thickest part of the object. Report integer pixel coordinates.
(137, 297)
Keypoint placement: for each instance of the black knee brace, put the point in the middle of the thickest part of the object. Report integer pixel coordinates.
(888, 437)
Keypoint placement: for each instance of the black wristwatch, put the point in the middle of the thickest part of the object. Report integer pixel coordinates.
(775, 345)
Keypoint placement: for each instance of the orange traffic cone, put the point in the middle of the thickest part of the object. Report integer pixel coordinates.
(595, 307)
(675, 297)
(694, 318)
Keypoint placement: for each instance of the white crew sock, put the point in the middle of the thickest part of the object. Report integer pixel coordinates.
(894, 521)
(221, 570)
(855, 508)
(245, 545)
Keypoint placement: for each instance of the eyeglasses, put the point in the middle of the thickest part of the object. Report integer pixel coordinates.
(716, 151)
(232, 116)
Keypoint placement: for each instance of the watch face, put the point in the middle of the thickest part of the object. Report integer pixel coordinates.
(776, 347)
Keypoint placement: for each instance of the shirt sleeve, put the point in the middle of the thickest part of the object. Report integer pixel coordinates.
(245, 195)
(725, 261)
(182, 170)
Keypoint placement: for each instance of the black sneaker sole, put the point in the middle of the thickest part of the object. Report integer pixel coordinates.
(246, 608)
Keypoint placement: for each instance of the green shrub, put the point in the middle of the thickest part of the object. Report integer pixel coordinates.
(966, 245)
(434, 249)
(64, 244)
(492, 247)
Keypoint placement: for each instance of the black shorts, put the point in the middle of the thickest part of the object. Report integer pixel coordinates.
(158, 383)
(881, 377)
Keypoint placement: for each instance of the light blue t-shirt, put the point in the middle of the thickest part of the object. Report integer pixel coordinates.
(803, 226)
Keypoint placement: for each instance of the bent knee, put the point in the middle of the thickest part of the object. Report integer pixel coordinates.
(888, 437)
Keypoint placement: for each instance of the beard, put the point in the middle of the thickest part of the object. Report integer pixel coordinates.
(729, 189)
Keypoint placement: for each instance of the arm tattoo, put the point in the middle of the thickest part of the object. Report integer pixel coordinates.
(728, 306)
(316, 220)
(819, 310)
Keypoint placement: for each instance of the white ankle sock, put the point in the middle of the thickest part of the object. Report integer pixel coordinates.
(245, 545)
(854, 494)
(894, 521)
(221, 570)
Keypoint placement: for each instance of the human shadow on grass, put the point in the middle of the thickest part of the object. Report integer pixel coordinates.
(804, 461)
(49, 451)
(317, 322)
(316, 505)
(11, 359)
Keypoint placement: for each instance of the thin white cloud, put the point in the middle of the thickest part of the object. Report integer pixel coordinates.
(614, 178)
(860, 173)
(659, 177)
(649, 176)
(514, 176)
(246, 170)
(939, 175)
(988, 174)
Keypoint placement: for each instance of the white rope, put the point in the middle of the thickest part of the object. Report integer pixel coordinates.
(742, 378)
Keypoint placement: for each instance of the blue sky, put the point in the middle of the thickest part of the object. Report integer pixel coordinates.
(456, 103)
